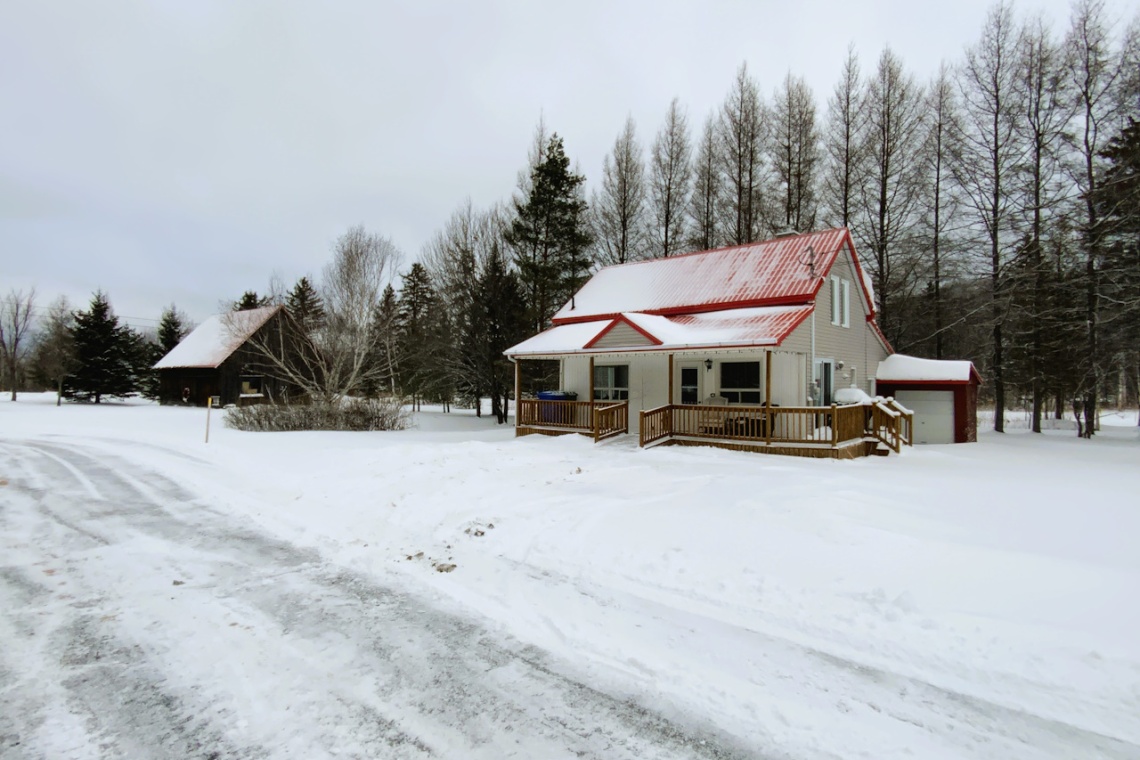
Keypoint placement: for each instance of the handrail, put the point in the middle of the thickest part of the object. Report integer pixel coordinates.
(610, 420)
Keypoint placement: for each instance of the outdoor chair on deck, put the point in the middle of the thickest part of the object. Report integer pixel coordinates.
(710, 422)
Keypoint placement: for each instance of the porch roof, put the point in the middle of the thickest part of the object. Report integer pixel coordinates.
(728, 328)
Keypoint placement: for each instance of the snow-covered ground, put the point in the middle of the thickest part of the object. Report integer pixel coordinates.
(976, 600)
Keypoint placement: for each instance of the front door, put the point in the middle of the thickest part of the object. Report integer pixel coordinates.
(825, 381)
(690, 384)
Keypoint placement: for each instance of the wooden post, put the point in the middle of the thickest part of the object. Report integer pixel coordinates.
(518, 394)
(670, 401)
(590, 398)
(769, 422)
(209, 404)
(834, 428)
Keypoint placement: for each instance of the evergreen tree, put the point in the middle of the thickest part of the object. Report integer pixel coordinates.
(106, 354)
(416, 310)
(305, 306)
(251, 300)
(172, 329)
(385, 320)
(503, 323)
(549, 236)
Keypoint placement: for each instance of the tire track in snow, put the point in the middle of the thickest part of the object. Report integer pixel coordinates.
(419, 682)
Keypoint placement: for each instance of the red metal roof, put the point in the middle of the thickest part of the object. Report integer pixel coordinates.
(783, 271)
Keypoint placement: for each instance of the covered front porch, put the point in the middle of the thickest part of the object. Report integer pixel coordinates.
(757, 400)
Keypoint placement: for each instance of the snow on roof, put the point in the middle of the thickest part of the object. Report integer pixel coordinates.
(762, 326)
(902, 368)
(773, 271)
(212, 342)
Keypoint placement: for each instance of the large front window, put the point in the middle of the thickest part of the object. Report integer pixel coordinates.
(611, 382)
(740, 382)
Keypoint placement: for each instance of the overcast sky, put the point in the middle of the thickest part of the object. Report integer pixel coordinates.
(184, 151)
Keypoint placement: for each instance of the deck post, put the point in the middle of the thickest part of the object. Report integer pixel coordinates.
(518, 395)
(590, 398)
(834, 428)
(769, 422)
(670, 401)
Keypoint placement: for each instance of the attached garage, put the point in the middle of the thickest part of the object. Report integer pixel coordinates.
(942, 394)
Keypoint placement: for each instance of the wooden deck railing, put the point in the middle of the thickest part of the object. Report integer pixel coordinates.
(834, 425)
(892, 424)
(655, 425)
(610, 420)
(600, 419)
(572, 415)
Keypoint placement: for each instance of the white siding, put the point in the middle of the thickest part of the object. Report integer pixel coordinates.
(856, 346)
(622, 336)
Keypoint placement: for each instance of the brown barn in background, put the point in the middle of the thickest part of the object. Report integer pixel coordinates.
(215, 360)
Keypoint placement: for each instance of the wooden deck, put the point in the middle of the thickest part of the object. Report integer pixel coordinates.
(840, 432)
(810, 431)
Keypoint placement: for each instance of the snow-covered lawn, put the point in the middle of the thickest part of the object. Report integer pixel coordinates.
(976, 600)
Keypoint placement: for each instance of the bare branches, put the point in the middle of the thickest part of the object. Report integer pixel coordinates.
(670, 181)
(15, 321)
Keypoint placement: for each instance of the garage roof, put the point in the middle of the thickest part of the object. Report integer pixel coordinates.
(899, 368)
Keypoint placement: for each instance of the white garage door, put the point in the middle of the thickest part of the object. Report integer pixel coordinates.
(933, 414)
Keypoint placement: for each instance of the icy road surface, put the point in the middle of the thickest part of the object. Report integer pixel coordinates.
(138, 622)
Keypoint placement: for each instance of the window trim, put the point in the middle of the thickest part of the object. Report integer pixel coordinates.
(739, 391)
(834, 290)
(845, 300)
(613, 391)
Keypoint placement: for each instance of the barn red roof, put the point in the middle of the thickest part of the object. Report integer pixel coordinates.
(783, 271)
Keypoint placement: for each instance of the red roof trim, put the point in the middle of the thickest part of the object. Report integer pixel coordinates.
(620, 318)
(909, 383)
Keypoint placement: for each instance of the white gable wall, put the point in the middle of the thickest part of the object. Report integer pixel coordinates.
(856, 345)
(622, 336)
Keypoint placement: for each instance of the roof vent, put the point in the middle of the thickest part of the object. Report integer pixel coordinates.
(787, 233)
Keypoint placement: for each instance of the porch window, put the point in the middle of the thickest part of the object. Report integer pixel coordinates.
(740, 382)
(611, 382)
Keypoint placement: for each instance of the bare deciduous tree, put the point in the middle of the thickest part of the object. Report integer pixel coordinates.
(54, 353)
(794, 151)
(15, 321)
(743, 136)
(670, 181)
(1047, 111)
(1095, 74)
(704, 203)
(889, 193)
(942, 201)
(337, 358)
(842, 143)
(987, 82)
(618, 211)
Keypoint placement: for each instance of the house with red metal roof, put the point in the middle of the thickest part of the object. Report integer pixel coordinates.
(743, 346)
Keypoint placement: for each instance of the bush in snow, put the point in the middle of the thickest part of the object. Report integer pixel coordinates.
(350, 414)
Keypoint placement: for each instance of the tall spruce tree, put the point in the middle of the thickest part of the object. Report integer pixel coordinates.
(105, 354)
(305, 306)
(172, 328)
(503, 323)
(549, 237)
(417, 309)
(251, 300)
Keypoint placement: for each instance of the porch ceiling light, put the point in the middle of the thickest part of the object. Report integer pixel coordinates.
(708, 365)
